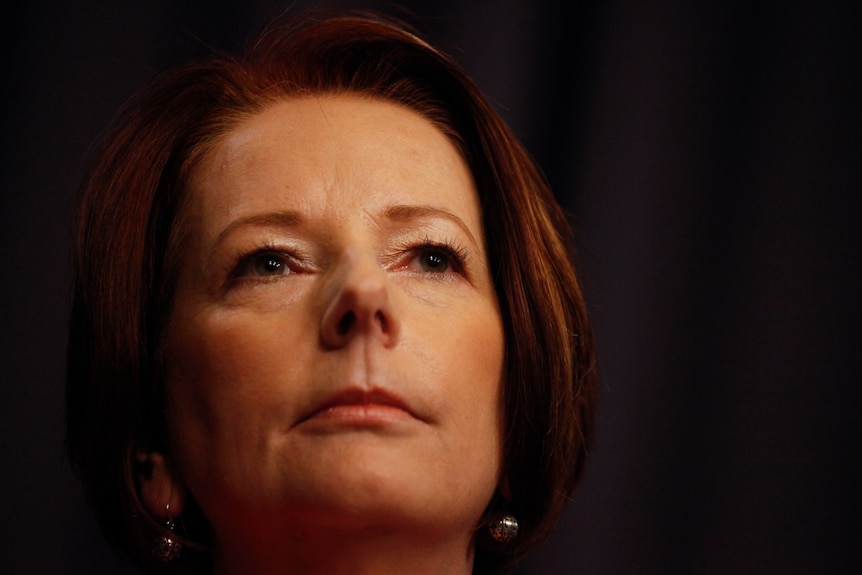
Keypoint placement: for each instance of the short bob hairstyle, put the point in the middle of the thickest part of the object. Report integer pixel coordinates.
(128, 232)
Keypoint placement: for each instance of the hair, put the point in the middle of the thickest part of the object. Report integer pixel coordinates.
(128, 234)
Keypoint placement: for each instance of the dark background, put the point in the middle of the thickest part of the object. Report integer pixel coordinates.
(709, 156)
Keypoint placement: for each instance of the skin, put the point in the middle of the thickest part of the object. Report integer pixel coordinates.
(334, 357)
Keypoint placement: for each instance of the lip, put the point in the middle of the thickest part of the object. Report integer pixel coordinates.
(356, 407)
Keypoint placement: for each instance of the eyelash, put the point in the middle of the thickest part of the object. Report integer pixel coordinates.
(244, 259)
(451, 250)
(454, 252)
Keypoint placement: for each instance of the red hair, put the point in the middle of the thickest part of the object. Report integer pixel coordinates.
(129, 231)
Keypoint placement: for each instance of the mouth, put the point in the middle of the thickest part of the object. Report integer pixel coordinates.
(355, 407)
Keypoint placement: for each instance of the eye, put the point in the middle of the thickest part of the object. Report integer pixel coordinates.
(263, 264)
(269, 265)
(434, 260)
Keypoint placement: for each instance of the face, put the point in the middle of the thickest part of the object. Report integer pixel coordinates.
(335, 350)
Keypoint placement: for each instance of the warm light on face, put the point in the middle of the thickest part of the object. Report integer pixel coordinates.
(335, 352)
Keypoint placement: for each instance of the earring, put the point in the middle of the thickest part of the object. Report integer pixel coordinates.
(503, 528)
(166, 548)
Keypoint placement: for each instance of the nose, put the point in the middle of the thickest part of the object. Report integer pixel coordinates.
(360, 306)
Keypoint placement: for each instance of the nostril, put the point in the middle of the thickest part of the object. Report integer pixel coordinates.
(379, 316)
(362, 311)
(346, 323)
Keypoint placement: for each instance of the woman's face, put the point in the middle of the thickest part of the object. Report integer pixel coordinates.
(335, 350)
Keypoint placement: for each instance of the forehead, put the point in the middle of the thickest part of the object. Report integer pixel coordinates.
(332, 151)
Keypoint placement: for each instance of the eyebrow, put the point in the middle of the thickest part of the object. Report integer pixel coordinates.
(397, 213)
(284, 219)
(406, 213)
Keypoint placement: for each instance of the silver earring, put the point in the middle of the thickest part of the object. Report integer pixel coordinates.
(503, 528)
(167, 548)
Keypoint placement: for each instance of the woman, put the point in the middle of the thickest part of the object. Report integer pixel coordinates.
(324, 318)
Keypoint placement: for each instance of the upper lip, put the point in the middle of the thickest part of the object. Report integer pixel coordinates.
(358, 396)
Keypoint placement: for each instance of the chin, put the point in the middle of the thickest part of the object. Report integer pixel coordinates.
(378, 492)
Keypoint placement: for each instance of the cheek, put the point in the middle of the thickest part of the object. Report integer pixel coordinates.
(232, 346)
(227, 377)
(472, 351)
(474, 356)
(210, 360)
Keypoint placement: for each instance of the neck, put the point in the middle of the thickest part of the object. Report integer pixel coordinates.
(336, 552)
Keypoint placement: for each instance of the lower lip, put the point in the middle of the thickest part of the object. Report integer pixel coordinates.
(365, 415)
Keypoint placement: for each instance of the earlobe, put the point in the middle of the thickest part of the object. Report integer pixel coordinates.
(163, 493)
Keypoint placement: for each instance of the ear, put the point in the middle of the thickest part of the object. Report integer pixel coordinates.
(163, 492)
